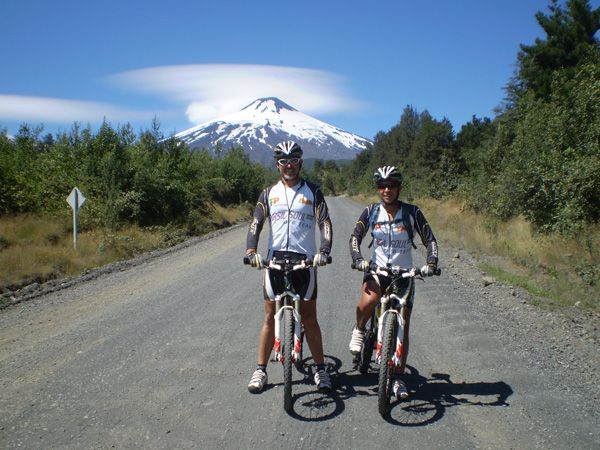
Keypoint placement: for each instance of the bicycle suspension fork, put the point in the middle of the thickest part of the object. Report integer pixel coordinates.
(396, 315)
(280, 306)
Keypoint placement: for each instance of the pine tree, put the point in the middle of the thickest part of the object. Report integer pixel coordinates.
(569, 42)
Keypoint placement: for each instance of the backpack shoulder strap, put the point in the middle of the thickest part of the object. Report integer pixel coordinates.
(407, 212)
(373, 215)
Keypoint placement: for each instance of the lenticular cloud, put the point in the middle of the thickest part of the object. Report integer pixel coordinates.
(212, 90)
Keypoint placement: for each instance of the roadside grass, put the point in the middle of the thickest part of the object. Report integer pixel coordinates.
(232, 214)
(36, 248)
(561, 271)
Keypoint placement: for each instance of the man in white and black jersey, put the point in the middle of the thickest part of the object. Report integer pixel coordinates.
(294, 208)
(392, 224)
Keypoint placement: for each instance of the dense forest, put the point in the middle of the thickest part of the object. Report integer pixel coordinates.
(538, 158)
(146, 179)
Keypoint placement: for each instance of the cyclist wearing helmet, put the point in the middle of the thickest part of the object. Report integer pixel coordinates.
(293, 208)
(391, 223)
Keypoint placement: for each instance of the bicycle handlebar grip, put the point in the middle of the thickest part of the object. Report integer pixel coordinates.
(309, 262)
(246, 260)
(372, 266)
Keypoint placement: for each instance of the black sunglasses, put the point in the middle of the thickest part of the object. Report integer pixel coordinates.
(286, 161)
(387, 185)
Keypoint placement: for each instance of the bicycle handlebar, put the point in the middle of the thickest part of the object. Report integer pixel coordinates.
(397, 270)
(307, 262)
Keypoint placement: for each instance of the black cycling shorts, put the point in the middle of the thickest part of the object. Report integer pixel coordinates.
(384, 283)
(304, 281)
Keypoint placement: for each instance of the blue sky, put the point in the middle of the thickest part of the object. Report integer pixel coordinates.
(353, 64)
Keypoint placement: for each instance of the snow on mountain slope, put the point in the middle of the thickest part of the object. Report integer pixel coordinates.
(262, 124)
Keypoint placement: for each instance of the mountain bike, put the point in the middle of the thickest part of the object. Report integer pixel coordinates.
(289, 332)
(385, 329)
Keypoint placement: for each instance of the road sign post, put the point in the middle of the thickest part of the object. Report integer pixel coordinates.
(75, 200)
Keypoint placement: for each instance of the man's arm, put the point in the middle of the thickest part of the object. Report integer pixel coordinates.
(362, 225)
(258, 220)
(427, 237)
(324, 221)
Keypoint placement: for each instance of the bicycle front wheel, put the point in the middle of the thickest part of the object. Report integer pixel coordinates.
(386, 367)
(288, 348)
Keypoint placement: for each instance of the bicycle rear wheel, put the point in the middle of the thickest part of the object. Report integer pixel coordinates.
(386, 366)
(369, 343)
(288, 348)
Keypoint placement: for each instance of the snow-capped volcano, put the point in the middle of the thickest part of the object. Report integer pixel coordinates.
(267, 121)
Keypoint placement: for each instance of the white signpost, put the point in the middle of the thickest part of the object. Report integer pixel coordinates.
(75, 200)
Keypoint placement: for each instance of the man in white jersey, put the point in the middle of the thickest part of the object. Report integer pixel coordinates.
(293, 207)
(392, 224)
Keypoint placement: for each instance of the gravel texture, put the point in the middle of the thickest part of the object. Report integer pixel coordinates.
(565, 342)
(557, 340)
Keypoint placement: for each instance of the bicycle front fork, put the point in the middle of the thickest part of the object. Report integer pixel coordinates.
(279, 324)
(397, 356)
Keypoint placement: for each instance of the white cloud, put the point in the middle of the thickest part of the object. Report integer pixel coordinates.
(213, 90)
(207, 91)
(56, 110)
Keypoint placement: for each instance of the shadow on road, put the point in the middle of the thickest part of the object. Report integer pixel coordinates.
(428, 401)
(312, 405)
(429, 397)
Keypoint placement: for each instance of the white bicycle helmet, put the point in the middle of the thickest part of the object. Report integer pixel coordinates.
(387, 173)
(287, 149)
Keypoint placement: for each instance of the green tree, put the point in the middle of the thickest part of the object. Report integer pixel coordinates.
(358, 174)
(570, 41)
(7, 174)
(395, 146)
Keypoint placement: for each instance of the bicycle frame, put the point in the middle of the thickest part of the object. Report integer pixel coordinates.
(288, 299)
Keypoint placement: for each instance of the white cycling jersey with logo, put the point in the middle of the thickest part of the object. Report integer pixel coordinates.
(391, 243)
(292, 213)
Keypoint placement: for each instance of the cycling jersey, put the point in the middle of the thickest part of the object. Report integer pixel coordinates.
(391, 241)
(292, 213)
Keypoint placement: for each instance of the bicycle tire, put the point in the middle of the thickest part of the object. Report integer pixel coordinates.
(386, 365)
(367, 350)
(288, 348)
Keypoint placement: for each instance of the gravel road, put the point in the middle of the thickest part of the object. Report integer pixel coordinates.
(157, 353)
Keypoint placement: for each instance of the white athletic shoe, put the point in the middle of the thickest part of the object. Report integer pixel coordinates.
(258, 381)
(357, 341)
(399, 389)
(322, 380)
